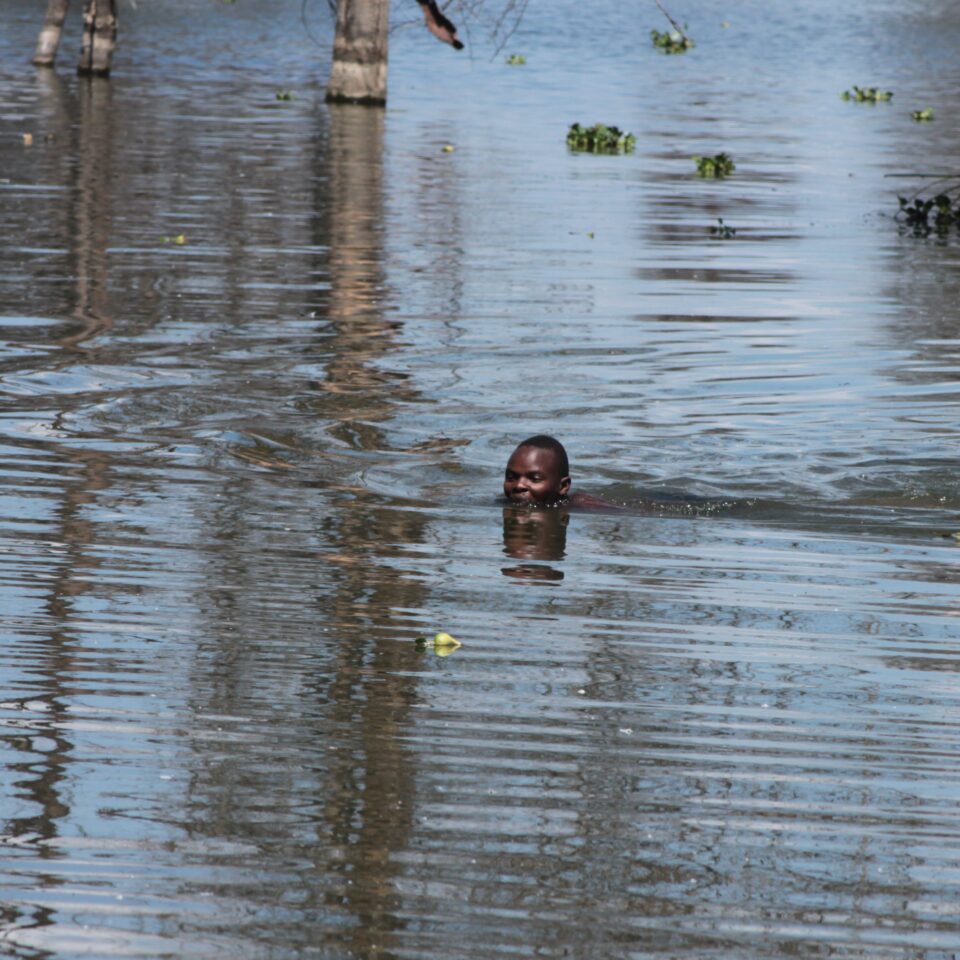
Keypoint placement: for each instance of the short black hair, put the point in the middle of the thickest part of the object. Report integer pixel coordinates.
(542, 442)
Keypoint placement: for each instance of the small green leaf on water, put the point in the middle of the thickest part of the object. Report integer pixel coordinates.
(180, 239)
(443, 641)
(284, 95)
(442, 644)
(921, 115)
(448, 148)
(516, 60)
(590, 235)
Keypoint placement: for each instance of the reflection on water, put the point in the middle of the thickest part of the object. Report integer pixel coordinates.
(242, 473)
(530, 534)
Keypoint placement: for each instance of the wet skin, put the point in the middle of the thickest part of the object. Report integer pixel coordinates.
(533, 477)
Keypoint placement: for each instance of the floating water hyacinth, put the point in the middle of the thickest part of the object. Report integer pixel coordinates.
(516, 60)
(719, 165)
(671, 41)
(938, 213)
(867, 95)
(922, 115)
(600, 139)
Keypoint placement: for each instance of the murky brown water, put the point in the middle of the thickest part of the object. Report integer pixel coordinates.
(242, 473)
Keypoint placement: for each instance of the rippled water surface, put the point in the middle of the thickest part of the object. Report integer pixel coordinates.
(243, 472)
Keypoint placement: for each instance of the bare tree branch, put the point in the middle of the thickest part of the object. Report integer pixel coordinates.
(676, 26)
(515, 9)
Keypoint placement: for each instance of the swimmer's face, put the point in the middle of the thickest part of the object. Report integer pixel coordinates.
(533, 477)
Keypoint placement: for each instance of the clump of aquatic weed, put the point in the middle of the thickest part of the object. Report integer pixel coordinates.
(922, 115)
(867, 95)
(516, 60)
(671, 41)
(674, 41)
(719, 165)
(600, 139)
(936, 214)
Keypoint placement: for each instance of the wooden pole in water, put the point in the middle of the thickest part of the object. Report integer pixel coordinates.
(49, 40)
(99, 37)
(359, 71)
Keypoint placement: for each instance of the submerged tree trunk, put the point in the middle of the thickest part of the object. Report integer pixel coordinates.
(49, 40)
(359, 72)
(99, 37)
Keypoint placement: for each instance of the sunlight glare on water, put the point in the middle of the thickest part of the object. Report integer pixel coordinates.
(262, 362)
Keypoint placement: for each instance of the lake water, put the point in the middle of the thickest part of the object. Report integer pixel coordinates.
(243, 472)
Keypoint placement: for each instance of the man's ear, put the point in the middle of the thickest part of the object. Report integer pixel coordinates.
(564, 486)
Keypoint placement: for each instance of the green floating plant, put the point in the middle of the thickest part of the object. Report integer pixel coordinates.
(938, 213)
(921, 115)
(284, 94)
(671, 41)
(516, 60)
(442, 644)
(600, 139)
(715, 167)
(867, 95)
(179, 240)
(722, 230)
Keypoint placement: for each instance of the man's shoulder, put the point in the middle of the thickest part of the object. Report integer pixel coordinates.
(587, 501)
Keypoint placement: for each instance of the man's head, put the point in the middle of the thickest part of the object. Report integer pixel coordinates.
(538, 473)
